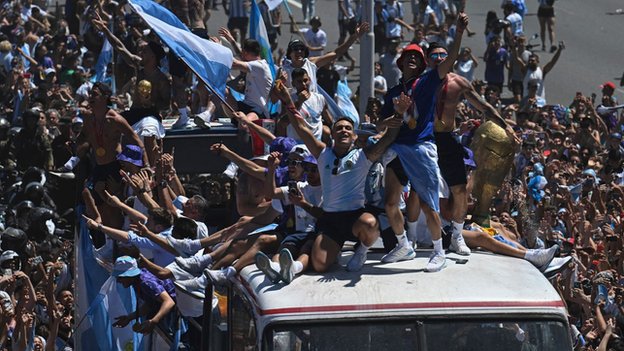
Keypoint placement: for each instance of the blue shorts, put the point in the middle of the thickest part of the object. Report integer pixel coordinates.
(420, 163)
(502, 239)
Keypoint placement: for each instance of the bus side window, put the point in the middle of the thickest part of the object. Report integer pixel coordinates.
(243, 326)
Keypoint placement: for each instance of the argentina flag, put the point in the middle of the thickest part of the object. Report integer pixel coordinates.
(210, 61)
(257, 31)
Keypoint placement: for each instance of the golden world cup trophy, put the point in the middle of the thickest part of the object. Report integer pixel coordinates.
(144, 88)
(494, 155)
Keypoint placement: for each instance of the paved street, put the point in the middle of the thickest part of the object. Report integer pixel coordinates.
(593, 38)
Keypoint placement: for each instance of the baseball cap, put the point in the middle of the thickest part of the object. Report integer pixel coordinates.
(301, 150)
(8, 255)
(608, 85)
(366, 129)
(310, 159)
(126, 266)
(132, 154)
(282, 145)
(411, 48)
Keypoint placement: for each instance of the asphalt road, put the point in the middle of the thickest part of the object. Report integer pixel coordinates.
(590, 29)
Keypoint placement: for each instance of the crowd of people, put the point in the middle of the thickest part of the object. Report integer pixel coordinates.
(402, 173)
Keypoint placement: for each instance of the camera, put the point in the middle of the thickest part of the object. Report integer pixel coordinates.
(292, 187)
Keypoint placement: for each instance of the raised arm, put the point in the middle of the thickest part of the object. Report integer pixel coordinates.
(135, 216)
(227, 35)
(113, 233)
(270, 190)
(401, 104)
(447, 65)
(315, 146)
(244, 164)
(326, 59)
(262, 132)
(553, 61)
(130, 58)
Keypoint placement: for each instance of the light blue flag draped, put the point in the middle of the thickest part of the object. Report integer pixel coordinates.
(210, 61)
(338, 111)
(105, 58)
(258, 32)
(343, 94)
(99, 301)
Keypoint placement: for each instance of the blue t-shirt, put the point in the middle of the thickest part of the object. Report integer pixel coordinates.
(424, 96)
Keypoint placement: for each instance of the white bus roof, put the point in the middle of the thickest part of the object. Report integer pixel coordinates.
(487, 283)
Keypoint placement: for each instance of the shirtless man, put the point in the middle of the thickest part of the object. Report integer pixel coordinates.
(450, 151)
(146, 64)
(102, 131)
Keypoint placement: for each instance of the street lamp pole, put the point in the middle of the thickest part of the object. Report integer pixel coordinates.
(367, 58)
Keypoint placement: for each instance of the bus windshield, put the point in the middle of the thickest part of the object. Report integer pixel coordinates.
(464, 335)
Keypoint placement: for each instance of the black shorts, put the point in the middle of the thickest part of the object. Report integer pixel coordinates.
(102, 172)
(516, 87)
(339, 225)
(397, 167)
(546, 12)
(451, 159)
(239, 23)
(296, 241)
(246, 109)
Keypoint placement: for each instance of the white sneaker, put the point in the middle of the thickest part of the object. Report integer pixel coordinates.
(437, 261)
(557, 264)
(286, 262)
(193, 264)
(263, 262)
(357, 261)
(458, 245)
(541, 258)
(399, 253)
(217, 277)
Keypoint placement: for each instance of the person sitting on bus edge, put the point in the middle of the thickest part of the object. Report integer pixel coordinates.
(343, 170)
(302, 201)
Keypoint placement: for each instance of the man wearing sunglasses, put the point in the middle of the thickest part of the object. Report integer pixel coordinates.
(343, 170)
(450, 151)
(417, 155)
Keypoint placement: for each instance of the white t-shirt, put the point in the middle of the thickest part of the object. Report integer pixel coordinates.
(379, 82)
(343, 191)
(389, 68)
(516, 23)
(304, 222)
(534, 75)
(308, 66)
(311, 111)
(258, 84)
(318, 39)
(149, 127)
(466, 69)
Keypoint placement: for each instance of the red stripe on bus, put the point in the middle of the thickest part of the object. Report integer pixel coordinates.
(421, 305)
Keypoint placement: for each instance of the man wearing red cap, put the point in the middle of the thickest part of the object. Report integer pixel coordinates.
(450, 151)
(416, 150)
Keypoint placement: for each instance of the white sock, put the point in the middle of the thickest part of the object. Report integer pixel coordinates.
(457, 228)
(297, 267)
(437, 246)
(402, 239)
(362, 249)
(275, 266)
(202, 109)
(412, 233)
(529, 254)
(72, 162)
(230, 271)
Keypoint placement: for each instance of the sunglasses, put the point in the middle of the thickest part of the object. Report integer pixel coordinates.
(294, 163)
(336, 164)
(437, 55)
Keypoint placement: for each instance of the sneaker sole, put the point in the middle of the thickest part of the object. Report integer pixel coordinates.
(286, 261)
(264, 265)
(436, 269)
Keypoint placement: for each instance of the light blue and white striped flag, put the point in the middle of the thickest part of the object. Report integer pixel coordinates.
(258, 32)
(210, 61)
(106, 56)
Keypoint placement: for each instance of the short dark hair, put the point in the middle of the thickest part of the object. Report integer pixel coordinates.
(433, 46)
(344, 118)
(252, 46)
(161, 217)
(297, 73)
(184, 228)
